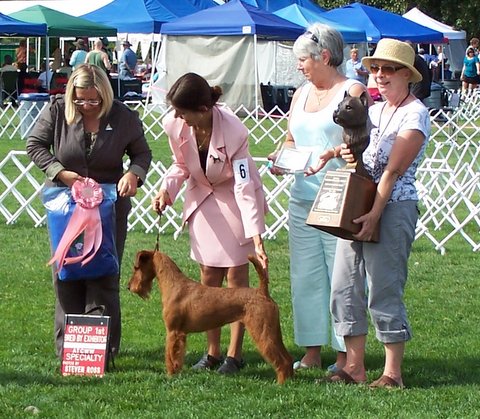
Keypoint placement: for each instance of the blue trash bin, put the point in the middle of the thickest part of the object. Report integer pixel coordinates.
(30, 106)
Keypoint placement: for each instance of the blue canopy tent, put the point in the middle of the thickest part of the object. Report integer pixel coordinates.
(129, 16)
(380, 24)
(145, 16)
(14, 27)
(305, 17)
(203, 4)
(222, 44)
(273, 5)
(234, 18)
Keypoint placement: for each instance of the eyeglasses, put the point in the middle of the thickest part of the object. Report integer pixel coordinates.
(311, 36)
(387, 69)
(81, 102)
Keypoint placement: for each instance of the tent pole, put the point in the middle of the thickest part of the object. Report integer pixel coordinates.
(47, 56)
(153, 58)
(256, 73)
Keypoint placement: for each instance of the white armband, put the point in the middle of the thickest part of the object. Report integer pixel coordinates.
(240, 170)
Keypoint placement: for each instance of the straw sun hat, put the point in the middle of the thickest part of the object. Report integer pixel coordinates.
(397, 52)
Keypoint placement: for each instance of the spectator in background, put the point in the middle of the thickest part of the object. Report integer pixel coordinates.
(421, 89)
(127, 63)
(21, 54)
(470, 75)
(447, 73)
(105, 48)
(44, 78)
(57, 59)
(354, 69)
(79, 55)
(99, 57)
(8, 64)
(474, 42)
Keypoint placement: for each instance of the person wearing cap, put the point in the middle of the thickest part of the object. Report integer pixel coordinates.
(79, 55)
(398, 138)
(127, 63)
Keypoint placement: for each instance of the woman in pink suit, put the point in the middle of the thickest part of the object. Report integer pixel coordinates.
(224, 201)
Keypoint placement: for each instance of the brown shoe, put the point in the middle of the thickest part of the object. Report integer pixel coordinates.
(385, 382)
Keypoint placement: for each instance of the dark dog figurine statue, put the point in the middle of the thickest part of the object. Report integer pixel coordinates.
(189, 307)
(352, 116)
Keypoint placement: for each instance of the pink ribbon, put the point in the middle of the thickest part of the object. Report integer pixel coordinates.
(88, 195)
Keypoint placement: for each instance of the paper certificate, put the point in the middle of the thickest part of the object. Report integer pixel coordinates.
(292, 160)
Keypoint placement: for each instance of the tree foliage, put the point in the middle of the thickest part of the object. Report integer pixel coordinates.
(461, 14)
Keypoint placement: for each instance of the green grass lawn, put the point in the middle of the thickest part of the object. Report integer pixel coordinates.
(441, 368)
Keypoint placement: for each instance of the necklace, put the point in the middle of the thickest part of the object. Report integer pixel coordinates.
(203, 138)
(90, 139)
(320, 97)
(391, 116)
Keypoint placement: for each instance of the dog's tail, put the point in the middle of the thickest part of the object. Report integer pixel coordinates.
(262, 275)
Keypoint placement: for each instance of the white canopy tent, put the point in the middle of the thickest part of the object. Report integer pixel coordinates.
(456, 44)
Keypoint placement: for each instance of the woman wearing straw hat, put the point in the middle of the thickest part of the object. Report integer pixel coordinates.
(401, 128)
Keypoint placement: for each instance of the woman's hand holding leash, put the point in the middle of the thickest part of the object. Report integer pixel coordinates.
(161, 200)
(260, 252)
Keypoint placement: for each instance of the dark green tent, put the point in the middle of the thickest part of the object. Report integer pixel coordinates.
(62, 24)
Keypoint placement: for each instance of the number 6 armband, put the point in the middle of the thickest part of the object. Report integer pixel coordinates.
(241, 171)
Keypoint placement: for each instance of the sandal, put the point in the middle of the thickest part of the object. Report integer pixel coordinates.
(340, 377)
(385, 382)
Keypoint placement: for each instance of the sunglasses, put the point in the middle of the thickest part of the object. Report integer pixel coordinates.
(81, 102)
(311, 36)
(387, 69)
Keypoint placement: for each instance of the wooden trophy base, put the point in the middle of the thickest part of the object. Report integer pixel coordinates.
(343, 196)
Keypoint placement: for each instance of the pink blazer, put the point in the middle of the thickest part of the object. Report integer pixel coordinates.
(240, 197)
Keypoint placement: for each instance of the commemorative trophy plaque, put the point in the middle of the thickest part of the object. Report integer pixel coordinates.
(346, 193)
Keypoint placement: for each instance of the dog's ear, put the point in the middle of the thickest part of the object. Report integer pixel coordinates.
(142, 257)
(364, 99)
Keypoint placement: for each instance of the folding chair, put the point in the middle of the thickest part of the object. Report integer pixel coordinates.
(9, 85)
(58, 83)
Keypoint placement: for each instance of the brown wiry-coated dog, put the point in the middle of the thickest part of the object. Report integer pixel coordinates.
(189, 306)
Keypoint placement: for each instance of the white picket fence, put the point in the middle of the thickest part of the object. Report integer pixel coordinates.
(448, 179)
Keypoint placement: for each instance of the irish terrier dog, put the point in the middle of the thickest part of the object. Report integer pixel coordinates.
(189, 307)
